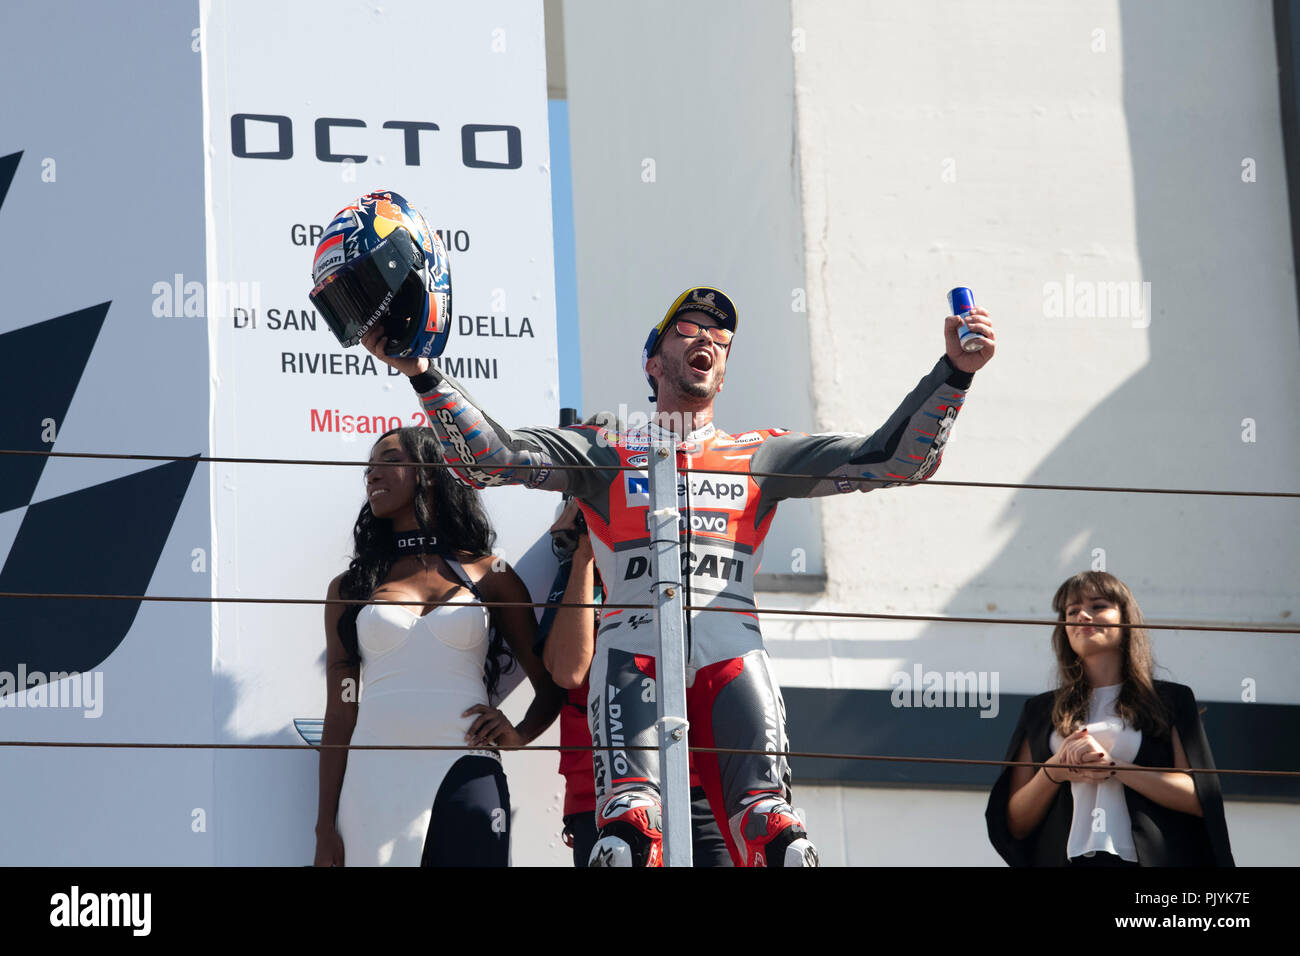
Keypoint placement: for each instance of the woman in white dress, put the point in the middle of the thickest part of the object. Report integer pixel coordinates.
(422, 672)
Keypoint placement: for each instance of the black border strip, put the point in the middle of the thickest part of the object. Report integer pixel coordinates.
(1242, 736)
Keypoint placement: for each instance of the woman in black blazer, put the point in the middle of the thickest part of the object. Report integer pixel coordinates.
(1107, 715)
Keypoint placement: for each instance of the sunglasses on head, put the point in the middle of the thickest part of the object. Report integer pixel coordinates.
(690, 330)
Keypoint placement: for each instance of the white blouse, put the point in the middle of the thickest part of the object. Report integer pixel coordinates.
(1101, 822)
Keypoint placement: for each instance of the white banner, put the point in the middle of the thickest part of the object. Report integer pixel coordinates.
(444, 103)
(111, 318)
(101, 232)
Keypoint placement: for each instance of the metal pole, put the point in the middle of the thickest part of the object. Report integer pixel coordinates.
(670, 668)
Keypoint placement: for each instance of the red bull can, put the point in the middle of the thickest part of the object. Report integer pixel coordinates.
(961, 301)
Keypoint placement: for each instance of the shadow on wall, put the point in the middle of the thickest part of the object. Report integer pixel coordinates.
(1215, 250)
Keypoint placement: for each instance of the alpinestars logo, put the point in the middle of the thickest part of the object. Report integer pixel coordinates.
(476, 475)
(931, 462)
(120, 526)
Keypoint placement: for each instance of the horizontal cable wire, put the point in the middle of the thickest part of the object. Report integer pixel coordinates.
(879, 758)
(702, 471)
(605, 606)
(785, 612)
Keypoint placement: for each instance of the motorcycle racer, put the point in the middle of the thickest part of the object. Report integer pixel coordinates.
(729, 488)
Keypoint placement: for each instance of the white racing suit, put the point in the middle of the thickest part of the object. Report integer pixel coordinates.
(732, 700)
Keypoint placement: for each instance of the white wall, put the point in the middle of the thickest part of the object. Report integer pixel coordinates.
(1005, 147)
(704, 92)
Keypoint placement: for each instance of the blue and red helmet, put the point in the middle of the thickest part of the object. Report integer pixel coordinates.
(380, 262)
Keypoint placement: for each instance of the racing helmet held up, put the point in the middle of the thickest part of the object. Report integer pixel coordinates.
(379, 262)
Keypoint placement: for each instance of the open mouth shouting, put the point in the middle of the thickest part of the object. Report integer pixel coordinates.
(701, 359)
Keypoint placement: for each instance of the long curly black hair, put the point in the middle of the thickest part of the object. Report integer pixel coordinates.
(444, 509)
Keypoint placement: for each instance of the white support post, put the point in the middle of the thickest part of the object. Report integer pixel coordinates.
(670, 666)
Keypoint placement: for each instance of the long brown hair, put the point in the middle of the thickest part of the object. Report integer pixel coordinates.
(1138, 703)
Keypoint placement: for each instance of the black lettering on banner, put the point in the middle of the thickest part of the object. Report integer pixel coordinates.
(469, 146)
(457, 241)
(304, 235)
(239, 136)
(288, 319)
(467, 367)
(321, 363)
(411, 137)
(411, 130)
(487, 326)
(323, 149)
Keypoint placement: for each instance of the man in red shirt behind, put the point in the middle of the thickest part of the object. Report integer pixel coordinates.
(566, 643)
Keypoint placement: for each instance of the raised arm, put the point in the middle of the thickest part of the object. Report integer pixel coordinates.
(483, 453)
(569, 641)
(907, 446)
(340, 719)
